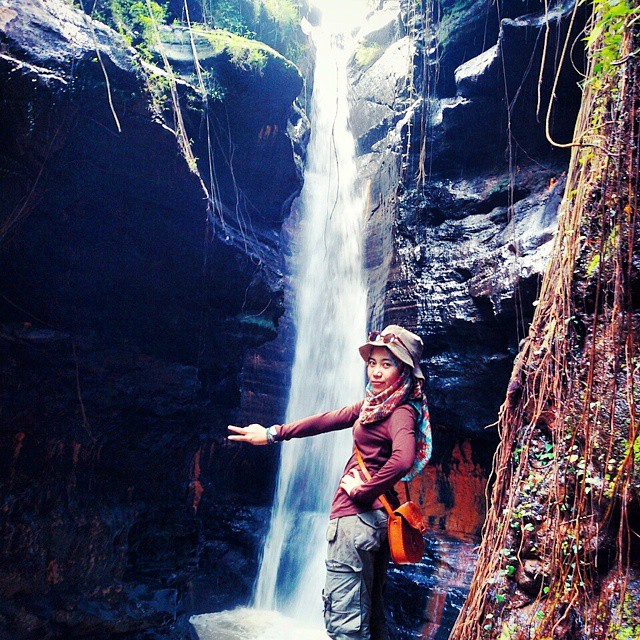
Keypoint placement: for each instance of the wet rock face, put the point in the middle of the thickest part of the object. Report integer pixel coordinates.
(423, 600)
(128, 305)
(462, 248)
(473, 236)
(495, 104)
(466, 185)
(463, 190)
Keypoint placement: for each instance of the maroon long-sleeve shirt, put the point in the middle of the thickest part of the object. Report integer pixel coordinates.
(388, 448)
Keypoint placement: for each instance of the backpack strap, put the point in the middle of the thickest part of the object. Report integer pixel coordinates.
(367, 475)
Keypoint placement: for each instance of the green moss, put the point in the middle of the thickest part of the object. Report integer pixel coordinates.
(628, 628)
(242, 52)
(635, 477)
(134, 22)
(636, 452)
(452, 18)
(368, 53)
(257, 322)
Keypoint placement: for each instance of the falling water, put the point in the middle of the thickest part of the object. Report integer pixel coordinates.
(330, 322)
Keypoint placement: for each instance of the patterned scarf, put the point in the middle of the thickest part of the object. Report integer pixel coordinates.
(406, 389)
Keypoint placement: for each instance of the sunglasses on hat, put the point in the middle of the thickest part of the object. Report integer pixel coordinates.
(386, 338)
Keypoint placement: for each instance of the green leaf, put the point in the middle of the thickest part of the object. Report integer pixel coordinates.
(596, 32)
(620, 9)
(593, 265)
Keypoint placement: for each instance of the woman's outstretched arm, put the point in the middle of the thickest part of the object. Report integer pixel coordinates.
(253, 434)
(310, 426)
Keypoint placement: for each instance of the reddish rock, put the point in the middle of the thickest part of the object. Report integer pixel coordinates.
(452, 494)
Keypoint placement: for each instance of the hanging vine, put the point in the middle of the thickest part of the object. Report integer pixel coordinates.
(423, 18)
(559, 551)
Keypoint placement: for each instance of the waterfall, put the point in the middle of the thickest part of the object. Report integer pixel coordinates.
(330, 316)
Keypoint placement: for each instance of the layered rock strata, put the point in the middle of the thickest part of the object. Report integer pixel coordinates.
(133, 282)
(463, 189)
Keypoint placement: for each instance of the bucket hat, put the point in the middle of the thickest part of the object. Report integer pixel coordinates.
(402, 343)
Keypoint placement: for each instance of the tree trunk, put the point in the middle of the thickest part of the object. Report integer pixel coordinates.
(561, 547)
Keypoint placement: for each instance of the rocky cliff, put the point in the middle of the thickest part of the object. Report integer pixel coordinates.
(463, 190)
(141, 270)
(134, 279)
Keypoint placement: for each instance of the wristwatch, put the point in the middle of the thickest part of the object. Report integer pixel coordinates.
(272, 435)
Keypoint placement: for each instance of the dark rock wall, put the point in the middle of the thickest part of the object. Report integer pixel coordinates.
(463, 186)
(465, 182)
(463, 190)
(131, 290)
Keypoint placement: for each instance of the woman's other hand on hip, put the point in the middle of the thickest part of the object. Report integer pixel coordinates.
(351, 481)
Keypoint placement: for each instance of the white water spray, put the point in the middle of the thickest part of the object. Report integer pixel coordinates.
(331, 323)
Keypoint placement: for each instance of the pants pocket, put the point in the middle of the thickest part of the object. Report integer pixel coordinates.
(342, 598)
(371, 530)
(332, 530)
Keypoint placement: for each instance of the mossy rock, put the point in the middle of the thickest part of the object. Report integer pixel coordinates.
(367, 53)
(243, 53)
(240, 66)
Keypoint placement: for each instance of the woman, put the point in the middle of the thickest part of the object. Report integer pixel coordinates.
(392, 432)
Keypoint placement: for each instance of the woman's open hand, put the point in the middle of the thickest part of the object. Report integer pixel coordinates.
(351, 481)
(253, 434)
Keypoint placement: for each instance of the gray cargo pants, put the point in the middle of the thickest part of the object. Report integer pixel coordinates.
(357, 558)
